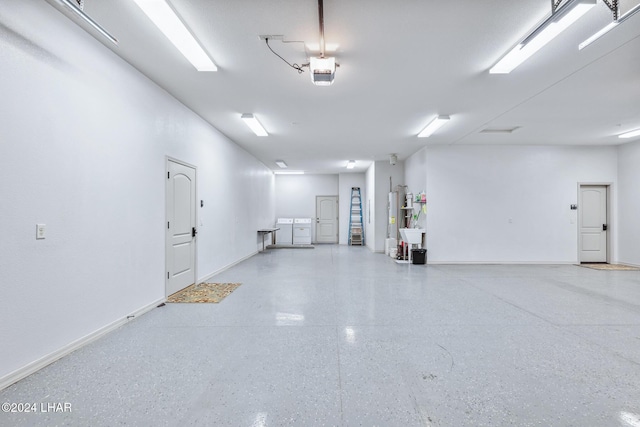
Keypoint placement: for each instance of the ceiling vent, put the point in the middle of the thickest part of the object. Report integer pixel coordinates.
(500, 130)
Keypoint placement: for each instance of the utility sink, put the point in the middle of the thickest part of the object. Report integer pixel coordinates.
(412, 236)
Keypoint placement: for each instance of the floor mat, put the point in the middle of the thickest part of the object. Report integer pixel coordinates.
(619, 267)
(204, 293)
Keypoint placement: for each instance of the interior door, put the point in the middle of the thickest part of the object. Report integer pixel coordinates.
(327, 219)
(181, 226)
(593, 223)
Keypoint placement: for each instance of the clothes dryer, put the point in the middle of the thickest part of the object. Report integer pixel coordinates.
(302, 231)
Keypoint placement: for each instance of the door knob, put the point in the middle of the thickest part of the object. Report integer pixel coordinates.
(193, 232)
(604, 227)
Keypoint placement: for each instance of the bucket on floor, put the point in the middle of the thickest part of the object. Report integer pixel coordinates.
(389, 243)
(419, 256)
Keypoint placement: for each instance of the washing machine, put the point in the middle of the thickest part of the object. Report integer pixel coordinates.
(284, 236)
(302, 231)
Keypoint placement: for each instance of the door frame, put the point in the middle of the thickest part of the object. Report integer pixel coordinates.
(315, 229)
(608, 187)
(169, 159)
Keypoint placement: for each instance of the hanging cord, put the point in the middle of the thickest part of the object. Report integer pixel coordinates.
(294, 65)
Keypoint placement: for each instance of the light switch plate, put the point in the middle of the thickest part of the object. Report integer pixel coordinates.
(41, 231)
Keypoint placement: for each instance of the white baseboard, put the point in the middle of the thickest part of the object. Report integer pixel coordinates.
(627, 263)
(501, 262)
(210, 275)
(36, 365)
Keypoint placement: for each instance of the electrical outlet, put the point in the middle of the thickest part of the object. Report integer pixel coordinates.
(41, 231)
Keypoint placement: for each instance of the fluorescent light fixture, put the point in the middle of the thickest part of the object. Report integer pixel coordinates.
(163, 16)
(281, 164)
(433, 126)
(631, 134)
(609, 27)
(323, 70)
(73, 7)
(547, 31)
(289, 172)
(254, 124)
(351, 164)
(597, 35)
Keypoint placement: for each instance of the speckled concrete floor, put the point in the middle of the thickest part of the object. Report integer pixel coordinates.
(341, 336)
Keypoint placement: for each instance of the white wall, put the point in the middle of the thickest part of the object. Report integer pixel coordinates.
(296, 195)
(508, 203)
(345, 182)
(84, 145)
(629, 203)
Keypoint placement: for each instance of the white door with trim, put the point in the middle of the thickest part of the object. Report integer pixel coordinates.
(593, 223)
(326, 219)
(181, 226)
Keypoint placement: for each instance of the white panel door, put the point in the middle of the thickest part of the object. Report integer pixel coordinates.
(593, 223)
(327, 219)
(181, 223)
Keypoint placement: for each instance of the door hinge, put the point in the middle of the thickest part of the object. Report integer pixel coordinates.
(167, 274)
(168, 175)
(167, 225)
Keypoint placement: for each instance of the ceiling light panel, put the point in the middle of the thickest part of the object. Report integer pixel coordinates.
(289, 172)
(252, 122)
(597, 35)
(556, 24)
(631, 134)
(281, 164)
(626, 14)
(164, 17)
(351, 164)
(433, 126)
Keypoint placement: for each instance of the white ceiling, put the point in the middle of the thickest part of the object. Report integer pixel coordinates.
(400, 66)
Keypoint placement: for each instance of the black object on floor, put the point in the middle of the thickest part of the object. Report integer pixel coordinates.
(419, 256)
